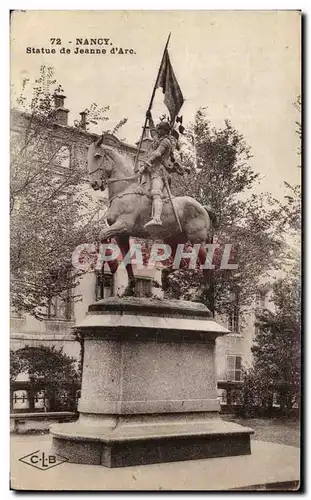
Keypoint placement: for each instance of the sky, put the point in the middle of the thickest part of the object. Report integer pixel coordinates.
(242, 65)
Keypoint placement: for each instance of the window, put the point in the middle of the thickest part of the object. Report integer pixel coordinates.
(20, 400)
(223, 397)
(234, 314)
(104, 286)
(261, 296)
(67, 197)
(62, 157)
(40, 400)
(234, 368)
(60, 307)
(276, 400)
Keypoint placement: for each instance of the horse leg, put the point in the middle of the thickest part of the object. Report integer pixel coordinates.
(105, 236)
(115, 229)
(206, 291)
(124, 245)
(112, 264)
(166, 271)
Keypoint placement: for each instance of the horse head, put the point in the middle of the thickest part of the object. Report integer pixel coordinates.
(104, 161)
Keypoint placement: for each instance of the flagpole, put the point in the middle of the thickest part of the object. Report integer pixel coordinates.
(151, 102)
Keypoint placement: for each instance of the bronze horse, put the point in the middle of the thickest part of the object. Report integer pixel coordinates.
(130, 208)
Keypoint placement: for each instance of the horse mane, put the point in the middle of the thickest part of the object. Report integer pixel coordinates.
(118, 158)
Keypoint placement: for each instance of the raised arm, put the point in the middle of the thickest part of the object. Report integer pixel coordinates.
(163, 148)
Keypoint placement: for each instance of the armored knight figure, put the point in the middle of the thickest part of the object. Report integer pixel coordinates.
(157, 163)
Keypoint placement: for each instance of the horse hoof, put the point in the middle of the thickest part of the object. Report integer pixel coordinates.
(153, 222)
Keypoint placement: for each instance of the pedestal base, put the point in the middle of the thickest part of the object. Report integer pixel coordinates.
(128, 445)
(148, 387)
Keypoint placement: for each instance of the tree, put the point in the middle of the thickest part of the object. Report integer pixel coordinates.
(221, 177)
(277, 345)
(289, 222)
(290, 208)
(276, 351)
(51, 210)
(51, 370)
(15, 366)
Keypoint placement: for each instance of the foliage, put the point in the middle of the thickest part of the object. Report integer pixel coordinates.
(222, 178)
(290, 210)
(15, 365)
(276, 348)
(94, 115)
(52, 211)
(276, 351)
(48, 369)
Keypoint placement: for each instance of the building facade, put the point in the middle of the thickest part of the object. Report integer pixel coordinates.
(232, 351)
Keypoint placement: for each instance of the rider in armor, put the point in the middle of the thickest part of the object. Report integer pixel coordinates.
(158, 158)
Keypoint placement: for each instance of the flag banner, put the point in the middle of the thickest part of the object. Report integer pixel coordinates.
(167, 80)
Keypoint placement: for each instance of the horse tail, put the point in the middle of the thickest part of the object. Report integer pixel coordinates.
(212, 216)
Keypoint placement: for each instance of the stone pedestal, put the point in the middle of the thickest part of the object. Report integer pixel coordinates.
(149, 389)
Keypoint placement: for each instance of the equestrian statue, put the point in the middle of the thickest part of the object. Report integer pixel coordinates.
(140, 200)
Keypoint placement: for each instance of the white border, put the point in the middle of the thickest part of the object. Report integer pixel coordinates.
(4, 110)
